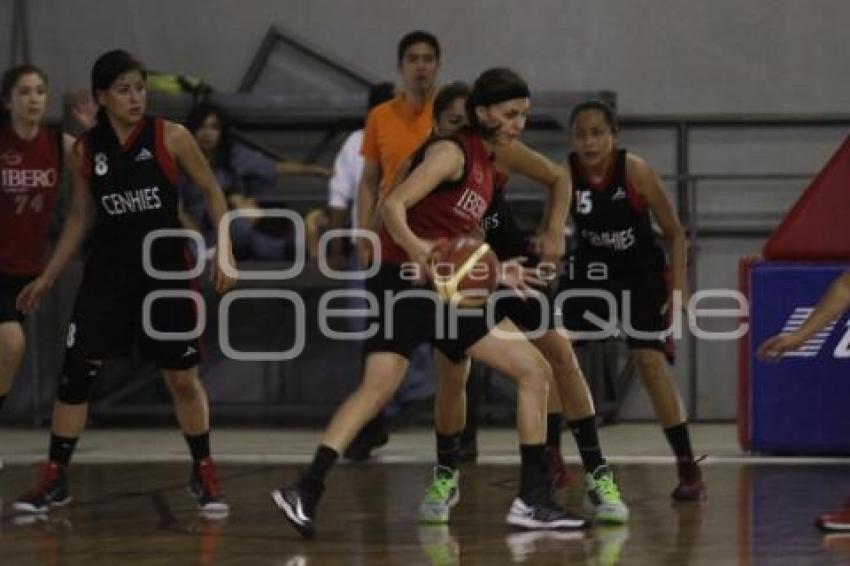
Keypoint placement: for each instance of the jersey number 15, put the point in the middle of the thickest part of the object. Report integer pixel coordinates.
(583, 203)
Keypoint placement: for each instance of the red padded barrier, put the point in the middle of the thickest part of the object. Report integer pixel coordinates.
(818, 226)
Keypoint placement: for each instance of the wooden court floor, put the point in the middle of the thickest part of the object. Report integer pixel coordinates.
(138, 514)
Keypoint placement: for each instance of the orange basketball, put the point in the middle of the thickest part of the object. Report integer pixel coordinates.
(465, 271)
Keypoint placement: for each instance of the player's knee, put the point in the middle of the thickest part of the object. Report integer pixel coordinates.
(12, 346)
(379, 393)
(564, 366)
(651, 364)
(534, 373)
(77, 379)
(453, 375)
(184, 388)
(382, 377)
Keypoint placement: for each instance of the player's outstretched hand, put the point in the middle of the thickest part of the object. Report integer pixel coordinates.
(30, 296)
(84, 108)
(773, 348)
(515, 275)
(549, 246)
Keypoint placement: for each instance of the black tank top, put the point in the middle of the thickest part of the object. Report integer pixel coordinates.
(134, 188)
(612, 222)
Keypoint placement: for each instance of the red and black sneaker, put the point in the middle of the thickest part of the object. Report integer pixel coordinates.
(50, 491)
(691, 485)
(557, 474)
(837, 521)
(205, 487)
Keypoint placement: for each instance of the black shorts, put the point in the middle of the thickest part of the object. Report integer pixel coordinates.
(108, 322)
(535, 312)
(404, 321)
(10, 287)
(639, 294)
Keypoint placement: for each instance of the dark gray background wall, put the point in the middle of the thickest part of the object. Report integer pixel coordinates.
(660, 56)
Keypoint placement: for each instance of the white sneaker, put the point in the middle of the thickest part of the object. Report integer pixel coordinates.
(543, 513)
(523, 545)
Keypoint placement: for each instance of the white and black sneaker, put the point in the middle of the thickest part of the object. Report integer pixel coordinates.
(541, 512)
(298, 508)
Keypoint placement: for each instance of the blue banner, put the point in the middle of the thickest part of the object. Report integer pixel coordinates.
(800, 405)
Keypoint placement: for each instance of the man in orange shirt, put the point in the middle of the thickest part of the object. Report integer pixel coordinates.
(394, 130)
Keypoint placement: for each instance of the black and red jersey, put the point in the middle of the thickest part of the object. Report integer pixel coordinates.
(500, 229)
(134, 188)
(611, 218)
(29, 185)
(453, 208)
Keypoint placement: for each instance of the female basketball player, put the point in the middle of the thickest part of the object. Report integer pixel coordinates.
(570, 394)
(125, 185)
(834, 302)
(446, 195)
(31, 158)
(615, 195)
(30, 167)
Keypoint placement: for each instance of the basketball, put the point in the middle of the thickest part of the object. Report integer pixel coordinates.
(465, 271)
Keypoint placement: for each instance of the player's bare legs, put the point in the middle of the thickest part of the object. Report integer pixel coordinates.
(190, 400)
(193, 414)
(12, 347)
(655, 374)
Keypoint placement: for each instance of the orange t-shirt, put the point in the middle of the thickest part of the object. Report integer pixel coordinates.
(394, 130)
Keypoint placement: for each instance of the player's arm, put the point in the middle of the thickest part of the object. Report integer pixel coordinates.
(832, 304)
(443, 161)
(520, 158)
(648, 184)
(68, 142)
(77, 223)
(187, 221)
(367, 194)
(186, 152)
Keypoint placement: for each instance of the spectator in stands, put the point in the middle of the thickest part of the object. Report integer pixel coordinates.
(253, 237)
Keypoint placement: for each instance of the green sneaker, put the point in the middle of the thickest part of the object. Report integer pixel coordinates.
(602, 497)
(440, 547)
(610, 540)
(441, 496)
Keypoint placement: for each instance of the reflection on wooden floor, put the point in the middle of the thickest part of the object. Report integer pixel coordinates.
(140, 514)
